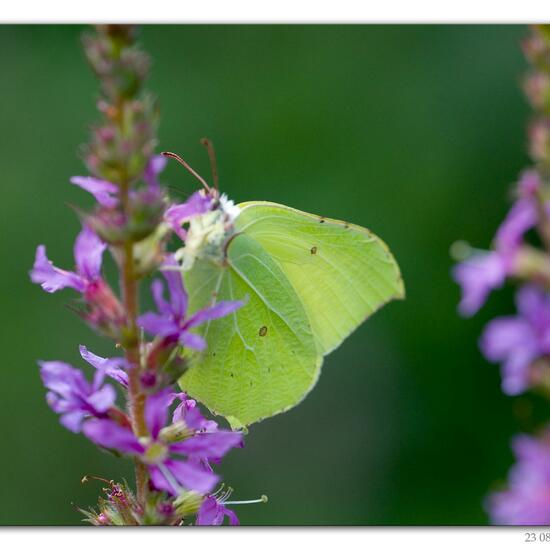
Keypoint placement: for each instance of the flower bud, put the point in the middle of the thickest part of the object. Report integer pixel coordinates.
(121, 67)
(532, 265)
(188, 503)
(537, 89)
(539, 140)
(176, 432)
(103, 309)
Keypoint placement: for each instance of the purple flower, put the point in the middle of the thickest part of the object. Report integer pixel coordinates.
(88, 253)
(213, 512)
(178, 214)
(168, 469)
(526, 501)
(478, 276)
(516, 341)
(171, 321)
(72, 396)
(103, 309)
(486, 271)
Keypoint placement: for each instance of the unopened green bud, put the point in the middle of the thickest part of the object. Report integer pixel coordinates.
(175, 432)
(188, 503)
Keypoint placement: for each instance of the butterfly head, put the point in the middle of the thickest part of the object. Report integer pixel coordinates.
(209, 217)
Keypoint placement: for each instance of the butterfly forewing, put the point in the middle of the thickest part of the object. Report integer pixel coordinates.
(342, 272)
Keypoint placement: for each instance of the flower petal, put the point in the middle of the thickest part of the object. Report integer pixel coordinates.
(221, 309)
(111, 367)
(51, 278)
(192, 476)
(178, 295)
(88, 254)
(102, 190)
(206, 445)
(111, 435)
(521, 217)
(159, 481)
(72, 420)
(159, 325)
(526, 500)
(209, 513)
(154, 167)
(156, 410)
(63, 379)
(198, 203)
(157, 290)
(212, 512)
(478, 276)
(193, 341)
(102, 400)
(504, 335)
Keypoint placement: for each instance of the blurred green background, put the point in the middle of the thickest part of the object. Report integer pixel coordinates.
(416, 132)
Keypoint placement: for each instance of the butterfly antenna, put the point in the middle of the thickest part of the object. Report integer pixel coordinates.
(185, 165)
(212, 156)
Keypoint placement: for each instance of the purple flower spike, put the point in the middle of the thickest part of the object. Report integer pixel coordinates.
(104, 191)
(213, 512)
(526, 501)
(478, 276)
(198, 203)
(171, 321)
(88, 253)
(516, 341)
(172, 465)
(72, 396)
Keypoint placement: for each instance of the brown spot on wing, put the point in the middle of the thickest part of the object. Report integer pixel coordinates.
(313, 250)
(263, 331)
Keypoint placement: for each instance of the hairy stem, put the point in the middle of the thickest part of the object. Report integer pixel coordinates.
(130, 295)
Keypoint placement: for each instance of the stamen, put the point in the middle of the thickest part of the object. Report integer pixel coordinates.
(87, 478)
(219, 490)
(224, 496)
(263, 499)
(460, 251)
(186, 166)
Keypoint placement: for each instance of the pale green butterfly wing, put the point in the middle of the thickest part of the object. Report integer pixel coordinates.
(342, 272)
(262, 359)
(309, 282)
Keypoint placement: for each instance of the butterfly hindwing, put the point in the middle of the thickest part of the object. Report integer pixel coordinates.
(262, 359)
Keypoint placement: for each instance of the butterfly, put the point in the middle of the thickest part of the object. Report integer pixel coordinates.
(307, 281)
